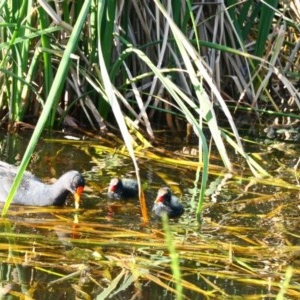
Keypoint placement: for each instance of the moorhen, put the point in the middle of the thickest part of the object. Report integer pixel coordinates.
(166, 203)
(33, 192)
(122, 188)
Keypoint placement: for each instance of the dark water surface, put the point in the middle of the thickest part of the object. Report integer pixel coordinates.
(248, 240)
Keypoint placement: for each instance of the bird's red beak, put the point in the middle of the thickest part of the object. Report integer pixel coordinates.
(159, 199)
(111, 188)
(77, 195)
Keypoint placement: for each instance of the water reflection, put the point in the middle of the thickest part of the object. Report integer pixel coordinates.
(25, 282)
(248, 238)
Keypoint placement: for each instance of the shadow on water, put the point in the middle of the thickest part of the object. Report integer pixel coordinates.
(248, 239)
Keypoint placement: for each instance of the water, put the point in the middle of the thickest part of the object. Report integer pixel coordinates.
(248, 239)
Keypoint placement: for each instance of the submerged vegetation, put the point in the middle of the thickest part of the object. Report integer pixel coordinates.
(189, 67)
(217, 76)
(247, 246)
